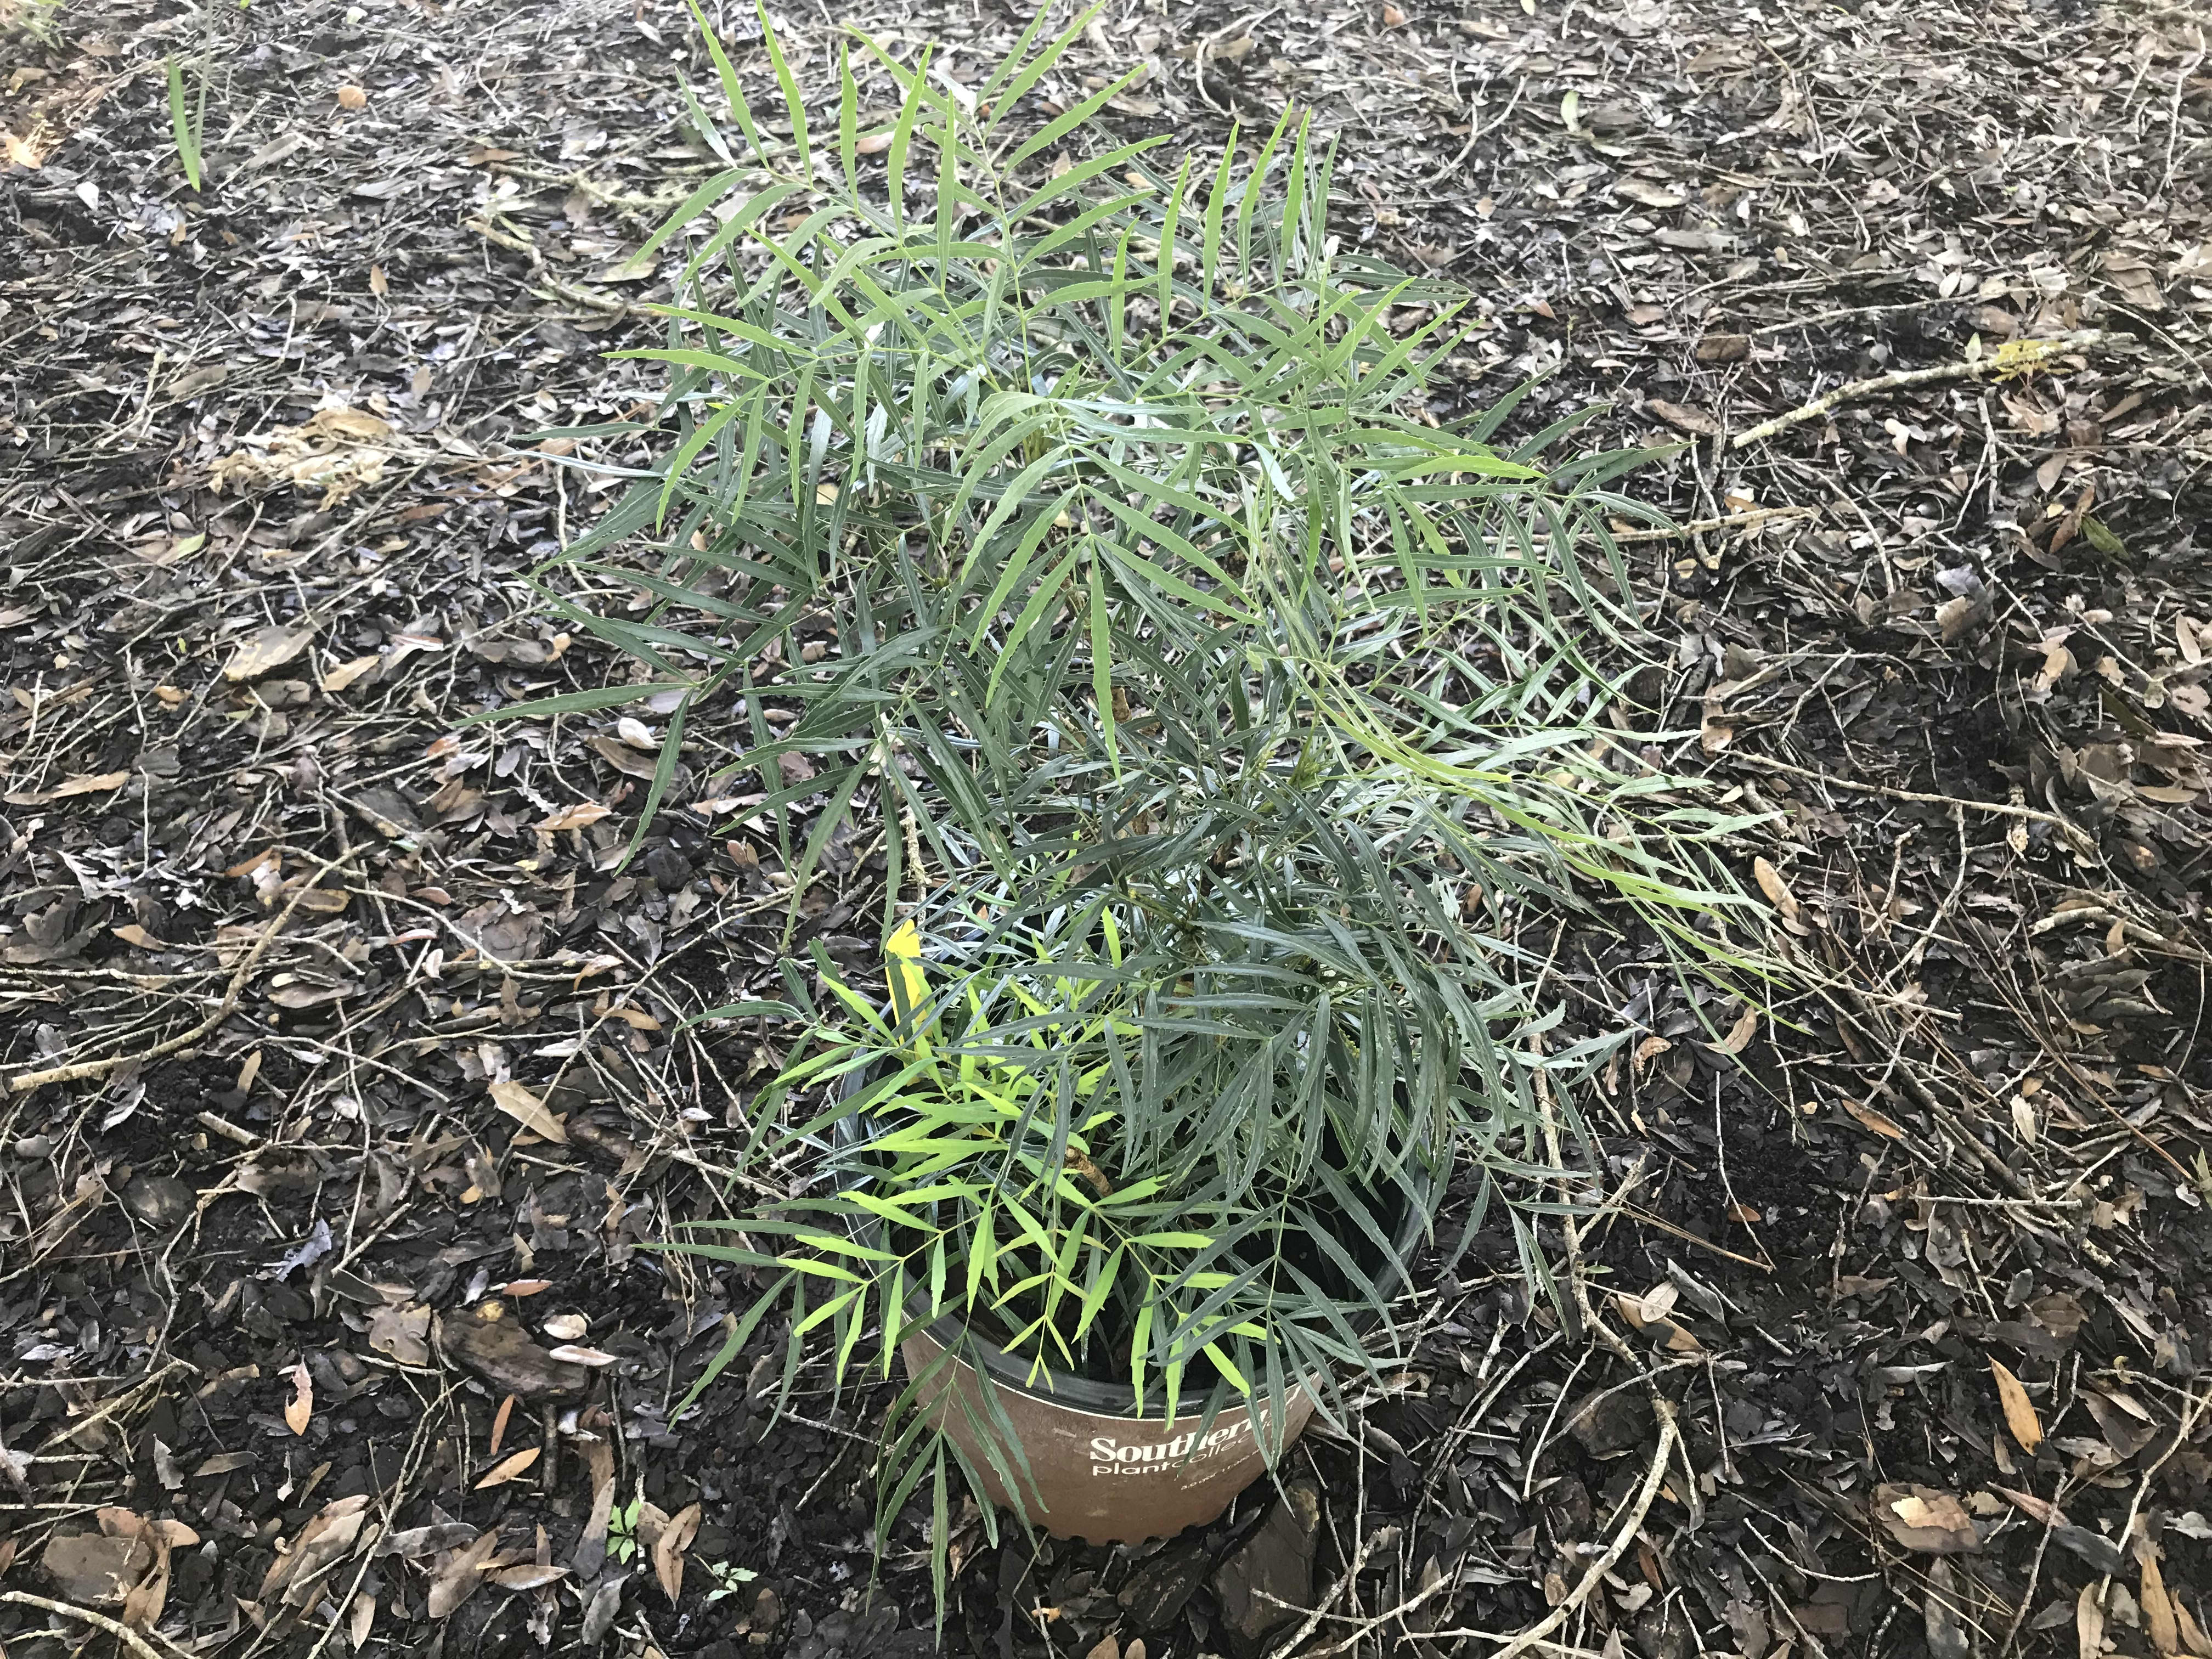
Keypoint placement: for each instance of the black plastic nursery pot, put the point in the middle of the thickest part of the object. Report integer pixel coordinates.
(1098, 1467)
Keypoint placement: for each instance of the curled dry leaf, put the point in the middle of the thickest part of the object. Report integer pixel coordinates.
(1867, 1118)
(2020, 1419)
(576, 1354)
(567, 1328)
(1657, 1302)
(88, 783)
(301, 1407)
(1778, 894)
(525, 1108)
(2047, 1513)
(527, 1577)
(1740, 1034)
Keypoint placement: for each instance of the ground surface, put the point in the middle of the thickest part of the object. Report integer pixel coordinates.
(280, 1307)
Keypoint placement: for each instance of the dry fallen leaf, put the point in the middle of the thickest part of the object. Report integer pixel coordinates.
(91, 784)
(2089, 1623)
(269, 648)
(301, 1407)
(98, 1568)
(2192, 1633)
(1868, 1118)
(402, 1333)
(1657, 1302)
(668, 1550)
(591, 1541)
(567, 1328)
(525, 1108)
(2036, 1508)
(326, 1540)
(575, 1355)
(346, 673)
(1650, 196)
(582, 813)
(1777, 890)
(529, 1576)
(2020, 1415)
(1683, 417)
(1740, 1035)
(2159, 1622)
(507, 1468)
(1923, 1518)
(458, 1573)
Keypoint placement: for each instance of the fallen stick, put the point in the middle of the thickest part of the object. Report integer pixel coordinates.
(2013, 358)
(2076, 835)
(555, 286)
(24, 1082)
(1538, 1635)
(122, 1632)
(1749, 518)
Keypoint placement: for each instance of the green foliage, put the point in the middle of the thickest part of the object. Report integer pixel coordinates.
(729, 1579)
(1243, 708)
(187, 121)
(622, 1528)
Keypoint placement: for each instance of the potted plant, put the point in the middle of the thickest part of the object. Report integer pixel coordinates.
(1225, 710)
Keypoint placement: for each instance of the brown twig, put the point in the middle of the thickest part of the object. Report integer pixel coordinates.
(2012, 358)
(2191, 1410)
(114, 1627)
(1538, 1635)
(2074, 834)
(24, 1082)
(1751, 518)
(1382, 1537)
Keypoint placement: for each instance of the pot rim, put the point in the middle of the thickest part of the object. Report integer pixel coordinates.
(1087, 1394)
